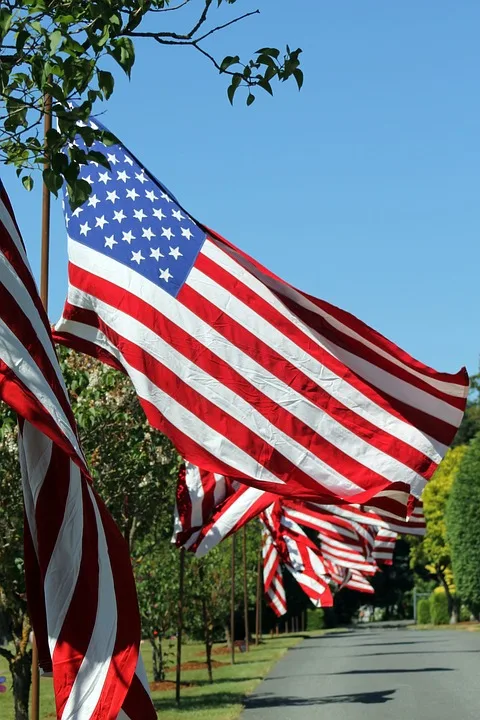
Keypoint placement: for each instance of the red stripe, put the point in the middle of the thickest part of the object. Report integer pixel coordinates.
(137, 702)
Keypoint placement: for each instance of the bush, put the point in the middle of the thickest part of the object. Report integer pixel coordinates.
(439, 607)
(465, 614)
(315, 619)
(423, 612)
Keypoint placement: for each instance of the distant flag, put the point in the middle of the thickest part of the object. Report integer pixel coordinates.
(248, 376)
(80, 585)
(384, 547)
(272, 575)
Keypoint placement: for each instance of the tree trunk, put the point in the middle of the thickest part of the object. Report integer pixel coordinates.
(227, 636)
(452, 605)
(157, 660)
(21, 670)
(208, 640)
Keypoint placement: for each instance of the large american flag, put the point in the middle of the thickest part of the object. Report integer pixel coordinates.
(248, 376)
(79, 579)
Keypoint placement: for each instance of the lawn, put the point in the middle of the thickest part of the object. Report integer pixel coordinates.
(200, 700)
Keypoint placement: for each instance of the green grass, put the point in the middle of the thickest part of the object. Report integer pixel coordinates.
(223, 700)
(465, 626)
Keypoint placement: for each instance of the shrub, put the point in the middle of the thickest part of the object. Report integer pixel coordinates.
(439, 607)
(423, 612)
(315, 619)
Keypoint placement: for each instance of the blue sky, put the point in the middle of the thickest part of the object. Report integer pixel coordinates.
(361, 189)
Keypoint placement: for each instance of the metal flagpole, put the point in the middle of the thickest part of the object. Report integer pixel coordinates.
(180, 624)
(245, 591)
(44, 268)
(259, 599)
(232, 605)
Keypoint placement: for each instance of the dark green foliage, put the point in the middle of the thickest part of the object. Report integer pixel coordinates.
(463, 527)
(439, 612)
(393, 584)
(315, 619)
(423, 612)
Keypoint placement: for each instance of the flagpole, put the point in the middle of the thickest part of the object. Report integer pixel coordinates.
(232, 605)
(258, 604)
(44, 274)
(245, 590)
(180, 624)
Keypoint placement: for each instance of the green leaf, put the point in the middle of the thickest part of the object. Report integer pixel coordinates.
(228, 61)
(105, 82)
(53, 181)
(5, 22)
(124, 53)
(298, 75)
(250, 99)
(27, 182)
(273, 52)
(232, 88)
(56, 38)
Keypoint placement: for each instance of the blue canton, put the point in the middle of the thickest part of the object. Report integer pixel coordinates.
(133, 219)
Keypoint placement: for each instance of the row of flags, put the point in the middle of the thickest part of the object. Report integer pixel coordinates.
(275, 391)
(352, 541)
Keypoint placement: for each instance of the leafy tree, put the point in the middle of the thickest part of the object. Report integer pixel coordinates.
(13, 606)
(463, 527)
(470, 424)
(433, 550)
(59, 49)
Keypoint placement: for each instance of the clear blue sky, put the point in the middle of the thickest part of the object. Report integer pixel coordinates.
(362, 189)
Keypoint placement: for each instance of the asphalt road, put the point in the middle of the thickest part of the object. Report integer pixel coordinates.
(379, 674)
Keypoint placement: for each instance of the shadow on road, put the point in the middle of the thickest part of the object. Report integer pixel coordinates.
(418, 652)
(367, 698)
(393, 671)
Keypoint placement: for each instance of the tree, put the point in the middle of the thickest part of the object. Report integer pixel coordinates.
(13, 605)
(433, 550)
(57, 49)
(463, 527)
(470, 424)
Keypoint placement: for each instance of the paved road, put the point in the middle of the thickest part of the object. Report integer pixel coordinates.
(379, 674)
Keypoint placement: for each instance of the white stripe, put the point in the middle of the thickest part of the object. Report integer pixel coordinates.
(438, 408)
(449, 388)
(64, 564)
(90, 679)
(7, 221)
(194, 485)
(16, 288)
(21, 363)
(227, 520)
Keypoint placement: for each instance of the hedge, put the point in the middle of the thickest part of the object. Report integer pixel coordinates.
(423, 612)
(315, 619)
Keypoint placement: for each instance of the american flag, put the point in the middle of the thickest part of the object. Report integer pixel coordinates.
(384, 546)
(79, 579)
(248, 376)
(298, 554)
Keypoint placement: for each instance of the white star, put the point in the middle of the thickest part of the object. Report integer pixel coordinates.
(119, 215)
(165, 197)
(112, 159)
(139, 214)
(141, 177)
(93, 200)
(93, 126)
(159, 214)
(112, 196)
(151, 195)
(84, 229)
(128, 160)
(128, 236)
(155, 253)
(186, 232)
(101, 222)
(175, 252)
(137, 257)
(132, 194)
(88, 179)
(147, 233)
(77, 212)
(178, 215)
(110, 241)
(165, 275)
(67, 220)
(104, 177)
(167, 232)
(122, 176)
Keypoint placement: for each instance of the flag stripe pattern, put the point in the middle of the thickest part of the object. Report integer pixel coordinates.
(248, 376)
(272, 575)
(79, 579)
(384, 547)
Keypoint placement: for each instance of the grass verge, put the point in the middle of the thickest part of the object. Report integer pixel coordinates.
(222, 700)
(465, 626)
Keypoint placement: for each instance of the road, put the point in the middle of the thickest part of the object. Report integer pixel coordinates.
(379, 674)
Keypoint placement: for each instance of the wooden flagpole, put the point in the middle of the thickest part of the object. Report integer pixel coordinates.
(180, 624)
(245, 590)
(232, 605)
(44, 276)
